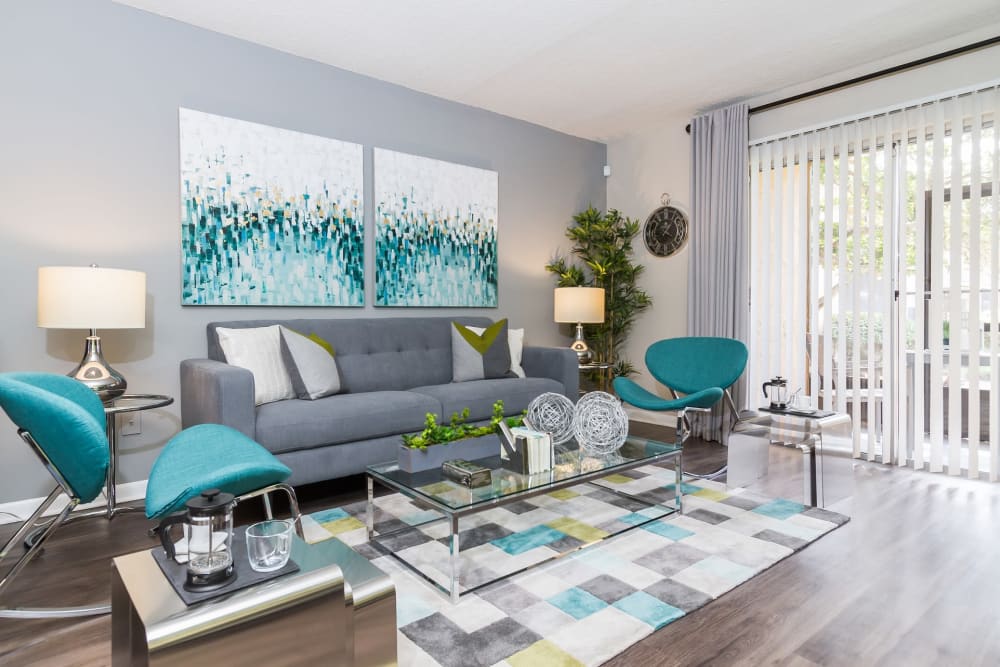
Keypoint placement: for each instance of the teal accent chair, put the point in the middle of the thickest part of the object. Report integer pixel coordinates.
(698, 371)
(63, 423)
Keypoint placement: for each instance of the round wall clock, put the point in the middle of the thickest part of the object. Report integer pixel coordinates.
(666, 229)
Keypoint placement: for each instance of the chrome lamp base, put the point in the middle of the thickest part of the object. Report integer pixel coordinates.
(97, 374)
(583, 353)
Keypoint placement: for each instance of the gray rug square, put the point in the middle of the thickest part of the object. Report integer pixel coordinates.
(508, 597)
(607, 588)
(825, 515)
(389, 525)
(707, 516)
(671, 559)
(520, 507)
(474, 537)
(783, 539)
(403, 540)
(678, 595)
(658, 496)
(564, 544)
(741, 502)
(439, 637)
(497, 641)
(616, 500)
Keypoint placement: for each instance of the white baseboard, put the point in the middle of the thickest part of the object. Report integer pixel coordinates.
(19, 510)
(650, 417)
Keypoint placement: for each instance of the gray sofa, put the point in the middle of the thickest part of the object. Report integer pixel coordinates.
(393, 372)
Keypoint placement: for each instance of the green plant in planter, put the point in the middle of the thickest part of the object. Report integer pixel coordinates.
(603, 242)
(457, 429)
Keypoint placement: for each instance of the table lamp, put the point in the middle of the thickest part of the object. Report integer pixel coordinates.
(580, 305)
(91, 297)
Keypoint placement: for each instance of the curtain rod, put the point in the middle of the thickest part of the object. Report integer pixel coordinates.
(874, 75)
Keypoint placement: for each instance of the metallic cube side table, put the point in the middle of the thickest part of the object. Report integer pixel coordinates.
(315, 616)
(822, 440)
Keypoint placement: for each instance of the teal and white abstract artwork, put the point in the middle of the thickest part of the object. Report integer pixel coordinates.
(435, 232)
(269, 217)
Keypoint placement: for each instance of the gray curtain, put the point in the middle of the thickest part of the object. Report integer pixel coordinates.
(718, 275)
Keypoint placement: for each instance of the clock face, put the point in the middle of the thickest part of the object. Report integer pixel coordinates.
(665, 231)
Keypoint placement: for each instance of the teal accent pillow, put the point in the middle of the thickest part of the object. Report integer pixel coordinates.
(66, 419)
(480, 356)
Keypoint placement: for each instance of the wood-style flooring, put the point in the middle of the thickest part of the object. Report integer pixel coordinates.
(911, 580)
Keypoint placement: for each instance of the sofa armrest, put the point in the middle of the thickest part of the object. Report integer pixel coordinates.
(558, 363)
(216, 393)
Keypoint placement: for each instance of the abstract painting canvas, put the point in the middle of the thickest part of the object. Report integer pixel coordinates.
(435, 233)
(269, 217)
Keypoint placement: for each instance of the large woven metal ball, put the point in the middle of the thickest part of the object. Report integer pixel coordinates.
(553, 414)
(600, 423)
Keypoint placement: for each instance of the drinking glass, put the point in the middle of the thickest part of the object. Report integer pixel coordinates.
(269, 544)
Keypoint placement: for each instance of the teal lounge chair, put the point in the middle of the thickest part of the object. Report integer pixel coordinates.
(62, 421)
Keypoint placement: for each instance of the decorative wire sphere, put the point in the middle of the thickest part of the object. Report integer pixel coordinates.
(552, 413)
(600, 423)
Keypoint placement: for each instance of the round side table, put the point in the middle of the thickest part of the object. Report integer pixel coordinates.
(605, 372)
(113, 408)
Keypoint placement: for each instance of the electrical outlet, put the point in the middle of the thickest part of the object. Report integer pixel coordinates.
(131, 423)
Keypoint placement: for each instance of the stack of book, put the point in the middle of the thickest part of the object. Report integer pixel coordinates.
(524, 450)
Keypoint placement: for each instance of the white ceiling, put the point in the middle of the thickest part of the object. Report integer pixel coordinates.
(592, 68)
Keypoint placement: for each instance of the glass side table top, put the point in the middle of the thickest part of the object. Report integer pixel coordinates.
(136, 402)
(570, 463)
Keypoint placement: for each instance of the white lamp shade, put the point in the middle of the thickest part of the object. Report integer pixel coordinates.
(90, 297)
(579, 305)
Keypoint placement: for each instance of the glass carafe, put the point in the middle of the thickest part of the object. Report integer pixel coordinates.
(208, 527)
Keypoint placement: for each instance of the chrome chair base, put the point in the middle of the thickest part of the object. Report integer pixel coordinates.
(40, 535)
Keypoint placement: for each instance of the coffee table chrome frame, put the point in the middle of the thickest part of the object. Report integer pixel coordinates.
(452, 515)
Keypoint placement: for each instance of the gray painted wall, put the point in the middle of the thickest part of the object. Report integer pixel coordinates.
(89, 92)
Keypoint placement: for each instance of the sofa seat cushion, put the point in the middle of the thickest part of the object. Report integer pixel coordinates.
(286, 426)
(480, 395)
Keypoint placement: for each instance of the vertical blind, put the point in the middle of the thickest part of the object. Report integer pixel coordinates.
(874, 277)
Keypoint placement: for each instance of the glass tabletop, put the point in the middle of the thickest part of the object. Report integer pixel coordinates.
(571, 464)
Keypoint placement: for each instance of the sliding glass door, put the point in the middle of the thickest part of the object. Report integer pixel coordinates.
(874, 284)
(948, 303)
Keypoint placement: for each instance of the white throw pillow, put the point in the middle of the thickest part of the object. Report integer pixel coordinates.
(515, 341)
(259, 351)
(311, 366)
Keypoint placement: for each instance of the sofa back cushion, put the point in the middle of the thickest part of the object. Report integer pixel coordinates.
(392, 353)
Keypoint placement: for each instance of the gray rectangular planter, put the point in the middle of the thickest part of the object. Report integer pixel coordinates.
(470, 449)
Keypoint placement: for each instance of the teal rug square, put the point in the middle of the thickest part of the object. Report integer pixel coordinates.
(526, 540)
(577, 603)
(418, 518)
(668, 530)
(654, 613)
(779, 509)
(685, 488)
(326, 516)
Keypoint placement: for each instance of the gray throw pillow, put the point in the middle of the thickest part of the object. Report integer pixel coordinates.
(310, 363)
(480, 356)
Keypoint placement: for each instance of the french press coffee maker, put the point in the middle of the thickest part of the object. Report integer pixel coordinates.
(208, 524)
(776, 391)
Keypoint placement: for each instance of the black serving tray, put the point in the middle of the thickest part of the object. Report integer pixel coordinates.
(245, 576)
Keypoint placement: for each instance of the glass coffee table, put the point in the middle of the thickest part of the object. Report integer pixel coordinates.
(432, 490)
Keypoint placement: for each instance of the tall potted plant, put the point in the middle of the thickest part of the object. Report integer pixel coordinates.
(603, 244)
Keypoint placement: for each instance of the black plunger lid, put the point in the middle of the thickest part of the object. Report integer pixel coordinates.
(211, 501)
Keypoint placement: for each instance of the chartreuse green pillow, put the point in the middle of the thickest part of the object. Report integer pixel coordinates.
(478, 356)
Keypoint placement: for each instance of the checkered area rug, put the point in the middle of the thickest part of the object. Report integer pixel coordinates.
(591, 605)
